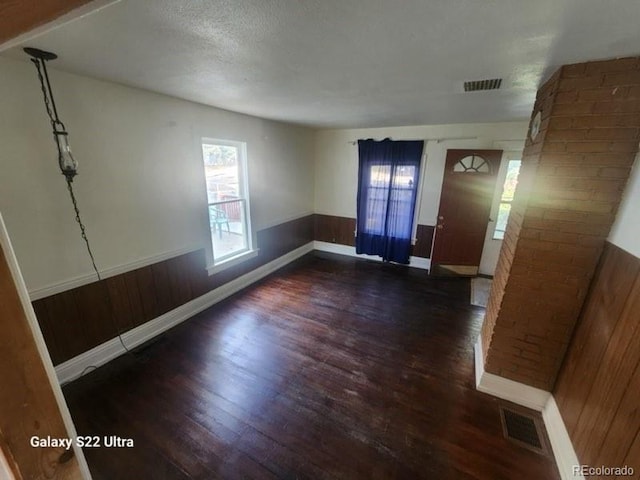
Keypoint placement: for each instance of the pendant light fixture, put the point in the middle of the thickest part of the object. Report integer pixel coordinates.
(66, 162)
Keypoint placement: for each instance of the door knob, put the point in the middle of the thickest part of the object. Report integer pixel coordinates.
(440, 217)
(440, 227)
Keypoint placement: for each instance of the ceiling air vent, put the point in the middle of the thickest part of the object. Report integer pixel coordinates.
(476, 85)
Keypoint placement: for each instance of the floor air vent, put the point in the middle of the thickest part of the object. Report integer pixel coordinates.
(525, 429)
(488, 84)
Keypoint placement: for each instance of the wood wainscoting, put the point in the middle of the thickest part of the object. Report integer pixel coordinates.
(333, 229)
(597, 390)
(424, 241)
(341, 230)
(79, 319)
(82, 318)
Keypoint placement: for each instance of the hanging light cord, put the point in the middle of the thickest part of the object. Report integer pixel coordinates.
(52, 112)
(48, 103)
(83, 233)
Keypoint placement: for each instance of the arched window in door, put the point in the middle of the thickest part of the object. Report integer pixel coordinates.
(472, 164)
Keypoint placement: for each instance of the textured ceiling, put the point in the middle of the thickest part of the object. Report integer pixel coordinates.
(344, 63)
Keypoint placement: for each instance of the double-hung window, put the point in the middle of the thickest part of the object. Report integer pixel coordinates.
(508, 190)
(225, 168)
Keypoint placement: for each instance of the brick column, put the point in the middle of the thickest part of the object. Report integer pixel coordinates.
(571, 182)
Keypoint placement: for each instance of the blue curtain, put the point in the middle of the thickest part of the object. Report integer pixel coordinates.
(387, 188)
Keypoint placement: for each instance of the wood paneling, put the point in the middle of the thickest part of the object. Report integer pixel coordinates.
(332, 229)
(597, 390)
(309, 374)
(280, 239)
(82, 318)
(27, 403)
(20, 16)
(77, 320)
(424, 239)
(341, 230)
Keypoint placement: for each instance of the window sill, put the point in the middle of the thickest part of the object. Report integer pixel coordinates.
(232, 261)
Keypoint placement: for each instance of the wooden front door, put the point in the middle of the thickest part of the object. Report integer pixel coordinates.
(465, 204)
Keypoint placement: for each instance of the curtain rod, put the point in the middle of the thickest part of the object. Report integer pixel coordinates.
(445, 139)
(437, 140)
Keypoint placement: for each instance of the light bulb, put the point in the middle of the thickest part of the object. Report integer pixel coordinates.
(67, 163)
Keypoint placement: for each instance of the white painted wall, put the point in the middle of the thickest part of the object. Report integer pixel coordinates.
(625, 232)
(141, 185)
(336, 166)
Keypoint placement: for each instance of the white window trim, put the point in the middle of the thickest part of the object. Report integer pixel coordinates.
(250, 252)
(232, 261)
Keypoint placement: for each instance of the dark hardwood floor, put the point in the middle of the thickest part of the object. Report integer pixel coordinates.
(330, 368)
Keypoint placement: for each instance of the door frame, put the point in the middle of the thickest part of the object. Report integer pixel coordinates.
(47, 401)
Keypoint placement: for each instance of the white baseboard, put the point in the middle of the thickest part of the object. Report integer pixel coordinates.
(510, 390)
(536, 399)
(416, 262)
(103, 353)
(563, 450)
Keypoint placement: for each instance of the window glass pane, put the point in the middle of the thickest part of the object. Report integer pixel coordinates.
(511, 181)
(404, 177)
(221, 168)
(228, 228)
(402, 192)
(508, 191)
(471, 164)
(380, 176)
(501, 223)
(400, 219)
(377, 196)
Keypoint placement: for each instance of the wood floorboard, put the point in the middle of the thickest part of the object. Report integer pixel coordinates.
(331, 368)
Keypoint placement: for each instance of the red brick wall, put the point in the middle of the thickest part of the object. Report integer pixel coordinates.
(571, 183)
(530, 160)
